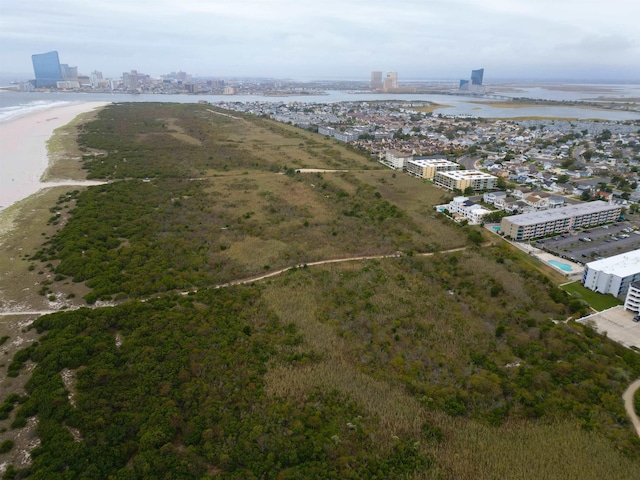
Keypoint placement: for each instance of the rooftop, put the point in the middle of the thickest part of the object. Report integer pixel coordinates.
(466, 174)
(621, 265)
(561, 213)
(421, 162)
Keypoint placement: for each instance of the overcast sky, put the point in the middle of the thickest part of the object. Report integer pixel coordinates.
(329, 39)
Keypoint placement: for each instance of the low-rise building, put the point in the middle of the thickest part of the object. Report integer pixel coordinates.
(463, 207)
(613, 275)
(559, 220)
(463, 179)
(494, 198)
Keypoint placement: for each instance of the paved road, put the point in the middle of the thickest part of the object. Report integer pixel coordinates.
(628, 397)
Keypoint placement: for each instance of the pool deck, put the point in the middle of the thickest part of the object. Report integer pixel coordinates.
(577, 270)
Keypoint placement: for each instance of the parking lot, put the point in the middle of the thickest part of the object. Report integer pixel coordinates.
(593, 243)
(618, 324)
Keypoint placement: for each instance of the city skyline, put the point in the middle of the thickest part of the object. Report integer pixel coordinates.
(529, 40)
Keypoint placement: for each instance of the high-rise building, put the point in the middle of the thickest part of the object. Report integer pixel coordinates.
(376, 81)
(476, 76)
(46, 67)
(69, 73)
(391, 81)
(464, 84)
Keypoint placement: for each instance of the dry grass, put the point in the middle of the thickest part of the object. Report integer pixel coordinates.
(65, 157)
(287, 145)
(417, 198)
(526, 450)
(469, 450)
(397, 412)
(18, 285)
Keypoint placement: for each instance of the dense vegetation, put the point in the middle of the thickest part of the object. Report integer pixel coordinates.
(181, 395)
(407, 367)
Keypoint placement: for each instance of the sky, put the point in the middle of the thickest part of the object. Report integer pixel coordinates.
(329, 39)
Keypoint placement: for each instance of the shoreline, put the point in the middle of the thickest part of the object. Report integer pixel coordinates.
(24, 153)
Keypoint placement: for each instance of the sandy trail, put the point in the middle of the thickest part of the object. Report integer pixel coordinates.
(628, 397)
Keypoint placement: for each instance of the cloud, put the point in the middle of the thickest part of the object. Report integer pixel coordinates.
(333, 38)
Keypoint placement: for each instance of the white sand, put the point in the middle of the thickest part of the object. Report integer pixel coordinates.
(23, 150)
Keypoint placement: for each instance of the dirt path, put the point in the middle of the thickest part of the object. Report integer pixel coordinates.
(30, 312)
(259, 278)
(628, 397)
(324, 262)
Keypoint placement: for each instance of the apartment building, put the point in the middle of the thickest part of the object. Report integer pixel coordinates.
(559, 220)
(463, 179)
(396, 160)
(427, 168)
(613, 275)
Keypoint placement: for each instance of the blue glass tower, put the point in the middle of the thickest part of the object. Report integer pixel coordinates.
(46, 66)
(476, 76)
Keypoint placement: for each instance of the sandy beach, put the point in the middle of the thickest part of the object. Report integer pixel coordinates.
(23, 149)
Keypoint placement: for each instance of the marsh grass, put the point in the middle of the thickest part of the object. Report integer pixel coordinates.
(527, 450)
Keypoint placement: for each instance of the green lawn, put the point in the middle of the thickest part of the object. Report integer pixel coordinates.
(597, 301)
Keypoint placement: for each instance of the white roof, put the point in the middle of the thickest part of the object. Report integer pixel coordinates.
(466, 174)
(622, 265)
(554, 214)
(438, 162)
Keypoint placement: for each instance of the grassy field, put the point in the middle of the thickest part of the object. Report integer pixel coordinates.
(596, 300)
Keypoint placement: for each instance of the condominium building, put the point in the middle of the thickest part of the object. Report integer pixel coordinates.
(464, 179)
(559, 220)
(428, 167)
(613, 275)
(396, 160)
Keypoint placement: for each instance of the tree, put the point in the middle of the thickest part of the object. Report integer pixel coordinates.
(585, 196)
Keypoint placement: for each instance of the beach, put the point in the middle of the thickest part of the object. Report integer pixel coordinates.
(23, 149)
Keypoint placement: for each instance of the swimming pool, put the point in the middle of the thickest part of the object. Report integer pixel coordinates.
(496, 228)
(565, 267)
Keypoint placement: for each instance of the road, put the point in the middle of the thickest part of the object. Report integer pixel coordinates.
(628, 397)
(468, 162)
